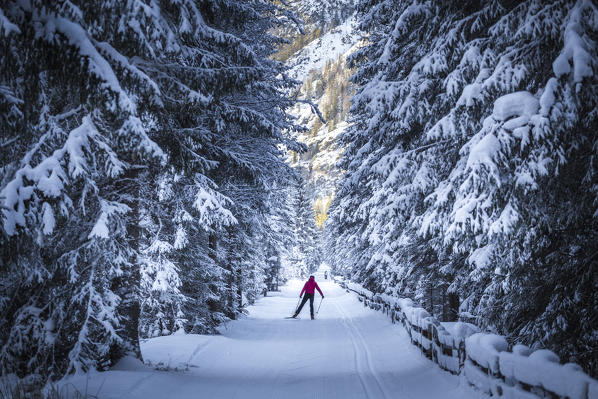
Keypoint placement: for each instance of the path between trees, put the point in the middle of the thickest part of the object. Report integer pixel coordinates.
(348, 352)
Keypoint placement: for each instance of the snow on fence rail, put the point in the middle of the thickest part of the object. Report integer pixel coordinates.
(483, 359)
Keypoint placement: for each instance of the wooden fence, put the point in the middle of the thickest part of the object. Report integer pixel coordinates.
(483, 359)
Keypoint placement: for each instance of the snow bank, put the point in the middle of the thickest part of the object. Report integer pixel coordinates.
(444, 336)
(405, 303)
(484, 349)
(457, 332)
(418, 317)
(360, 290)
(542, 369)
(448, 362)
(391, 300)
(476, 377)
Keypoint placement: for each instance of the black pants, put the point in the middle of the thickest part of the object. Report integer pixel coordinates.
(311, 303)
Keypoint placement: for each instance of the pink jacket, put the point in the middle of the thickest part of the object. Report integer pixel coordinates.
(309, 287)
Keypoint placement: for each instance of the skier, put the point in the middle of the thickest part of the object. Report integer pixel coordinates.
(325, 275)
(308, 288)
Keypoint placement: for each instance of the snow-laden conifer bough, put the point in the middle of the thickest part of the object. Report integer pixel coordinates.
(143, 183)
(469, 172)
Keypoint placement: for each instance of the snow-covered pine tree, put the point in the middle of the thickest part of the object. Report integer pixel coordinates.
(306, 254)
(244, 160)
(251, 165)
(163, 235)
(325, 12)
(70, 210)
(280, 234)
(244, 248)
(100, 111)
(471, 123)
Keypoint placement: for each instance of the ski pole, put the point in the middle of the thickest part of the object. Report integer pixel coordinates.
(296, 306)
(320, 305)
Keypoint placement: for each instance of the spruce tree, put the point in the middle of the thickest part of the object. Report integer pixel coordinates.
(130, 130)
(469, 126)
(306, 256)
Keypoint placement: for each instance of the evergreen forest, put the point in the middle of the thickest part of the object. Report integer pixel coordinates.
(166, 164)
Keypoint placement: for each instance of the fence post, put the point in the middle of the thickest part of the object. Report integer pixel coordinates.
(462, 354)
(453, 313)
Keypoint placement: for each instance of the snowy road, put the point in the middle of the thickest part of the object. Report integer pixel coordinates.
(348, 352)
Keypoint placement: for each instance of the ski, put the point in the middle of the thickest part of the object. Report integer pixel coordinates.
(291, 317)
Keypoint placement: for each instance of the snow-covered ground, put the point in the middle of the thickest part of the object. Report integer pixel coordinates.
(348, 352)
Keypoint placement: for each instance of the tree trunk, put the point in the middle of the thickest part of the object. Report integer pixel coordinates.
(453, 302)
(229, 296)
(444, 305)
(431, 299)
(127, 286)
(239, 289)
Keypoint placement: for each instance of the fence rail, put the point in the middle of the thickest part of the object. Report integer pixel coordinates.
(483, 359)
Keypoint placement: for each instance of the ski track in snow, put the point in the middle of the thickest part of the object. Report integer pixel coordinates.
(362, 355)
(198, 349)
(348, 352)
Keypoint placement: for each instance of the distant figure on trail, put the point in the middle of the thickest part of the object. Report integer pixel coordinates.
(308, 288)
(325, 275)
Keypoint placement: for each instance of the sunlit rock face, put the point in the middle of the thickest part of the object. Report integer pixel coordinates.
(318, 60)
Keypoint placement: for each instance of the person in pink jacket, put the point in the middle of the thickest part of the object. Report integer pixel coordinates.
(309, 289)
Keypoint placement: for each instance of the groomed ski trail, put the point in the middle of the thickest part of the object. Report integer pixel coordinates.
(362, 355)
(348, 352)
